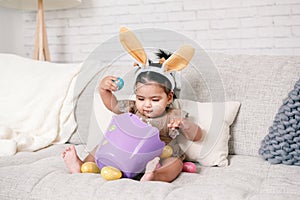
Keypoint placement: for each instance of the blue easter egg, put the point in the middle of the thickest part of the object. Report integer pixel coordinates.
(120, 83)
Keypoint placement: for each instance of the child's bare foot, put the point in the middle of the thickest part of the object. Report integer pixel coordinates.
(150, 167)
(71, 159)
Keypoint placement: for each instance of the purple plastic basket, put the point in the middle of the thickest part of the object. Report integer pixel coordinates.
(128, 145)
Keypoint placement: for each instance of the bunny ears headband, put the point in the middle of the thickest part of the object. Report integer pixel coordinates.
(176, 62)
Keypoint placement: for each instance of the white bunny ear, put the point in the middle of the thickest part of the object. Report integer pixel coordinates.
(132, 45)
(180, 59)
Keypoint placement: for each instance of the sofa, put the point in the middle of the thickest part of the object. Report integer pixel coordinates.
(253, 85)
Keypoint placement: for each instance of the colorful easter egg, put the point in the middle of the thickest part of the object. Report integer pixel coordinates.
(89, 167)
(110, 173)
(167, 152)
(189, 167)
(120, 83)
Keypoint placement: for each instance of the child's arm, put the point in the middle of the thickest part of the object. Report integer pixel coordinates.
(106, 87)
(188, 128)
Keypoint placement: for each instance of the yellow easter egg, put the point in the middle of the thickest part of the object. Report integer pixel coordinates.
(167, 152)
(110, 173)
(89, 167)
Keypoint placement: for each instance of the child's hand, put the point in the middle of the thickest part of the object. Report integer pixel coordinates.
(175, 124)
(108, 83)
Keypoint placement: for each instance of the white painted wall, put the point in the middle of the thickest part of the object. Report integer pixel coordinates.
(11, 31)
(230, 26)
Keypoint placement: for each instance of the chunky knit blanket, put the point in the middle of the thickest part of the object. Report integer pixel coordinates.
(282, 144)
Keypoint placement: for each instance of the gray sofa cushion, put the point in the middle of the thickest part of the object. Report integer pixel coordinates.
(282, 144)
(259, 83)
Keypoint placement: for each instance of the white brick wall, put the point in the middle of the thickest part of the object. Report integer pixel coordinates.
(230, 26)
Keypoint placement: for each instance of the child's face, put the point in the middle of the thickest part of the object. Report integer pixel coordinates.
(151, 99)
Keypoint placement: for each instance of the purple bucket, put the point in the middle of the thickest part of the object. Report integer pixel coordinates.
(128, 145)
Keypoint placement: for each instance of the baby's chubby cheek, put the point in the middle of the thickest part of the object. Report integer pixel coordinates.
(158, 110)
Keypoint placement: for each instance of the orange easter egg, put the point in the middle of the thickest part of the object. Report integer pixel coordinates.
(89, 167)
(110, 173)
(167, 152)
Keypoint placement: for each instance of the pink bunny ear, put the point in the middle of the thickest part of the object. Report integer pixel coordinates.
(180, 59)
(132, 45)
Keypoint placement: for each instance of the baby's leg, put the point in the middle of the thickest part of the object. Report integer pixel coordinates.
(151, 166)
(169, 170)
(91, 156)
(71, 159)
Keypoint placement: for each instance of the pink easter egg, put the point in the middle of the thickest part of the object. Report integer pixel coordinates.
(189, 167)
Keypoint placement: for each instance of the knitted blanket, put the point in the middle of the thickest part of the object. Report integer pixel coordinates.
(282, 144)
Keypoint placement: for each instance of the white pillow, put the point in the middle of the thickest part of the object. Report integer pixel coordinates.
(214, 120)
(37, 102)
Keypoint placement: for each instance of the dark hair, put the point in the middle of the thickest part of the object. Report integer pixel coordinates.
(150, 76)
(163, 54)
